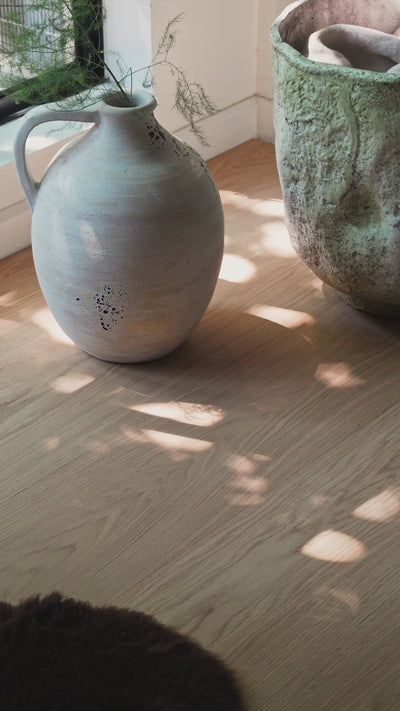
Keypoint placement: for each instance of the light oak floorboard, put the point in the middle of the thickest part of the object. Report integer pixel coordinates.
(245, 489)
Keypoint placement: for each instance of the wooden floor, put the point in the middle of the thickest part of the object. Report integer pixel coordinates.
(245, 489)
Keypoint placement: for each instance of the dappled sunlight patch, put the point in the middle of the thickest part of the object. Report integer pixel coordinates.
(381, 508)
(238, 463)
(337, 375)
(265, 208)
(250, 490)
(254, 484)
(70, 383)
(269, 208)
(237, 269)
(334, 547)
(51, 443)
(167, 440)
(284, 317)
(260, 457)
(319, 500)
(245, 465)
(97, 446)
(276, 240)
(45, 320)
(9, 298)
(8, 326)
(121, 390)
(326, 596)
(190, 413)
(317, 286)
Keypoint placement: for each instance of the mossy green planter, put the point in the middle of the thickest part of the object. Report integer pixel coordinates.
(338, 152)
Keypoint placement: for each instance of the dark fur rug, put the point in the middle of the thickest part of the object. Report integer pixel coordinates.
(57, 654)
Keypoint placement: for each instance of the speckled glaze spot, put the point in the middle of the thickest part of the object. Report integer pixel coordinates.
(209, 177)
(110, 305)
(183, 151)
(155, 133)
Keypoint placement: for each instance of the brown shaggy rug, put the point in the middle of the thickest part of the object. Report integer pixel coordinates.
(58, 654)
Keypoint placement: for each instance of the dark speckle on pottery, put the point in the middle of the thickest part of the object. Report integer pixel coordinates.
(110, 305)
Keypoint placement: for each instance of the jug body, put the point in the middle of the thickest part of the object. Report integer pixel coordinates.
(127, 236)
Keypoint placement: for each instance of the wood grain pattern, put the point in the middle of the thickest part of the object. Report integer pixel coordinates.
(245, 489)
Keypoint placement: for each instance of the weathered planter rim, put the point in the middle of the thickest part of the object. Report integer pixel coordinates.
(298, 59)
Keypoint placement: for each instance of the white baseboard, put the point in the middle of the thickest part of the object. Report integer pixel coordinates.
(226, 129)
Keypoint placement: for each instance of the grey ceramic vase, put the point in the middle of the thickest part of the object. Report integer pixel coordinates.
(337, 125)
(127, 231)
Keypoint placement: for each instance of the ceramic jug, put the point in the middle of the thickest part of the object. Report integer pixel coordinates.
(337, 128)
(127, 231)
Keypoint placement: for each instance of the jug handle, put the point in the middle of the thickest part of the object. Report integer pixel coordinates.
(34, 118)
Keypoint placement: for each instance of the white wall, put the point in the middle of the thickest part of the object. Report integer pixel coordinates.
(266, 14)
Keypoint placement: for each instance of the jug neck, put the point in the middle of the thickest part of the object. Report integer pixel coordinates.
(116, 112)
(133, 123)
(141, 104)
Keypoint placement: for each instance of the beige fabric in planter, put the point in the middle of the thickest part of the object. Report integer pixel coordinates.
(359, 47)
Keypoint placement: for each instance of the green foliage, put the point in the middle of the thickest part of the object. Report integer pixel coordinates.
(38, 45)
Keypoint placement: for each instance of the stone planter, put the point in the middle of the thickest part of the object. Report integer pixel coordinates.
(337, 124)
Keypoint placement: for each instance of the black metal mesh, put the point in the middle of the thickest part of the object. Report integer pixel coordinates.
(23, 16)
(19, 19)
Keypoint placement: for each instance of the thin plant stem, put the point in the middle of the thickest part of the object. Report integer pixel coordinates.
(96, 53)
